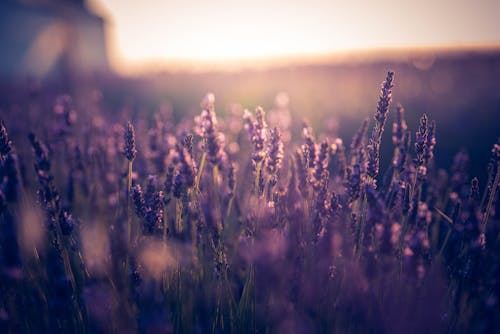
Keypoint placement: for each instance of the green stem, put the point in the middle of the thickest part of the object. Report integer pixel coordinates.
(165, 224)
(257, 178)
(200, 170)
(217, 198)
(412, 189)
(492, 197)
(178, 216)
(361, 225)
(230, 206)
(129, 221)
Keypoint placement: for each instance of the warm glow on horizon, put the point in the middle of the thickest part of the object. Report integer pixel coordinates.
(156, 30)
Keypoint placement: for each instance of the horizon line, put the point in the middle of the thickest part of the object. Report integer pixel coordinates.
(347, 56)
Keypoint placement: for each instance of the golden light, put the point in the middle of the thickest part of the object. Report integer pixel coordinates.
(156, 31)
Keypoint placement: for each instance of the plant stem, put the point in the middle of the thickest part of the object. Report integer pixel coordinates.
(492, 196)
(129, 186)
(200, 171)
(257, 178)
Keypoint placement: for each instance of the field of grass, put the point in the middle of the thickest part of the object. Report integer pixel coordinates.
(245, 221)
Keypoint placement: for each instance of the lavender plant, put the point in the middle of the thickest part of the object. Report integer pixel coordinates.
(296, 233)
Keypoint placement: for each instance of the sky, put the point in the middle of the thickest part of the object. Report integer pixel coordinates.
(218, 30)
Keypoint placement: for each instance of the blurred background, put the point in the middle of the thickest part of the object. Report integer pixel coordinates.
(322, 60)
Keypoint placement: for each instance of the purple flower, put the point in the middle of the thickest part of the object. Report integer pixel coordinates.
(257, 133)
(399, 127)
(187, 168)
(129, 136)
(178, 187)
(474, 189)
(138, 200)
(373, 147)
(493, 166)
(10, 177)
(421, 141)
(153, 207)
(321, 164)
(213, 140)
(401, 152)
(66, 222)
(310, 144)
(274, 152)
(430, 143)
(353, 185)
(5, 143)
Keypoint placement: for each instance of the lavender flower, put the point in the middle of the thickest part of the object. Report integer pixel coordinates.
(415, 252)
(178, 185)
(138, 200)
(301, 171)
(42, 167)
(150, 206)
(401, 152)
(274, 152)
(384, 102)
(424, 216)
(187, 168)
(154, 213)
(151, 188)
(5, 143)
(430, 143)
(10, 177)
(188, 143)
(421, 141)
(213, 140)
(273, 180)
(129, 136)
(322, 206)
(378, 220)
(66, 222)
(329, 233)
(399, 127)
(249, 121)
(335, 203)
(321, 164)
(305, 156)
(493, 166)
(373, 150)
(353, 184)
(373, 147)
(257, 133)
(474, 189)
(493, 183)
(310, 144)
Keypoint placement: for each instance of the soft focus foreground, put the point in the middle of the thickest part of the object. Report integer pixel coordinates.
(139, 222)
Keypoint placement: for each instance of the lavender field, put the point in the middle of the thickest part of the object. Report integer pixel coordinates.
(241, 221)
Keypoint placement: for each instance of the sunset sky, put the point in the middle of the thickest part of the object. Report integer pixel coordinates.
(160, 30)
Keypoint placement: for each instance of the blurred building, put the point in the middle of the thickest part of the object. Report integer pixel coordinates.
(44, 38)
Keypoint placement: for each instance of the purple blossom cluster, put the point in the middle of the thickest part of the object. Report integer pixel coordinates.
(159, 229)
